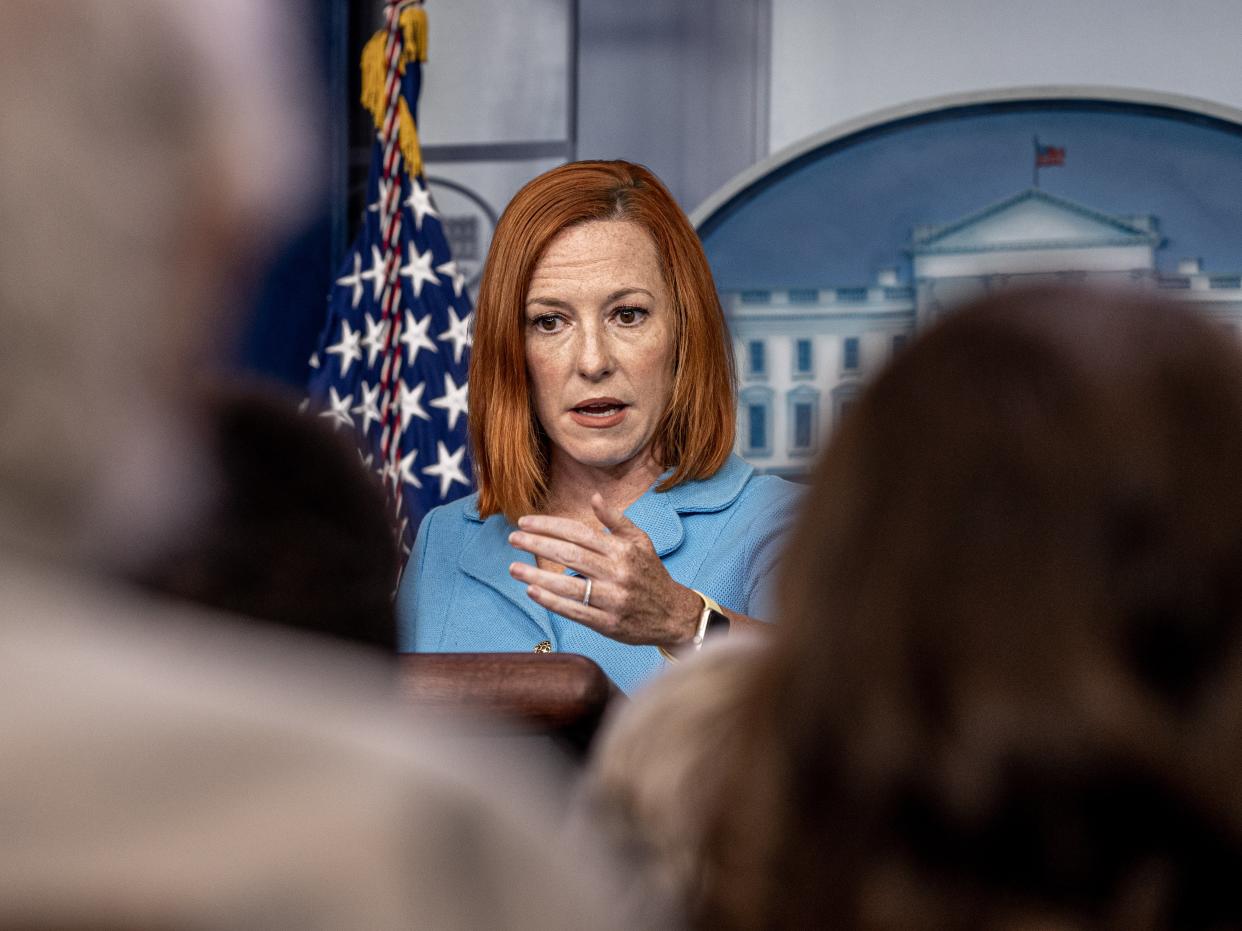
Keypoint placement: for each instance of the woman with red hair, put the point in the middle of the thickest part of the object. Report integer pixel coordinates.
(612, 518)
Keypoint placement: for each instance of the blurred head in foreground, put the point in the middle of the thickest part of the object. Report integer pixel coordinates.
(161, 770)
(151, 151)
(297, 532)
(1007, 685)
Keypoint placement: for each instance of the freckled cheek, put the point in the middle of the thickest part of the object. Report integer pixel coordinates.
(549, 371)
(653, 355)
(656, 375)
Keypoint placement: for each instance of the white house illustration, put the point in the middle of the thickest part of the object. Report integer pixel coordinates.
(804, 353)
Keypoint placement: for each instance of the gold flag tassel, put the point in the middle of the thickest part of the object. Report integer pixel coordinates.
(414, 24)
(412, 21)
(408, 139)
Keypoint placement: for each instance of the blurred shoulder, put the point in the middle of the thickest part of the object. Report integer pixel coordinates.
(366, 817)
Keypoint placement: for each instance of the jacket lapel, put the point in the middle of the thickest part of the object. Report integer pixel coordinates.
(486, 559)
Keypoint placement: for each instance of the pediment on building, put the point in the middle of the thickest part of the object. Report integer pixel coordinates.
(1033, 219)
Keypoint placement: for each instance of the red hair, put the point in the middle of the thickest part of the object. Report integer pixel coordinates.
(694, 435)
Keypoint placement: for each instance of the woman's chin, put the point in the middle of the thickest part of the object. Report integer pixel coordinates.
(604, 455)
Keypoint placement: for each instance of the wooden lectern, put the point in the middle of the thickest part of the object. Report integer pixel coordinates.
(562, 695)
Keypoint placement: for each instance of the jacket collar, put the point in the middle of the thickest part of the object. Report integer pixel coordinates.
(658, 514)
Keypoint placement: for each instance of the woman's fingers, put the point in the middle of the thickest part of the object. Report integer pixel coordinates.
(572, 608)
(567, 586)
(610, 517)
(565, 528)
(633, 598)
(559, 551)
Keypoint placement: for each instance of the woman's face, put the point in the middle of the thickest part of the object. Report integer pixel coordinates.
(599, 342)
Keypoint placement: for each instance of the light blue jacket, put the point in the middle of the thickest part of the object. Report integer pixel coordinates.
(722, 535)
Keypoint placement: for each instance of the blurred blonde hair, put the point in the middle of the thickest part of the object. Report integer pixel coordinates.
(140, 140)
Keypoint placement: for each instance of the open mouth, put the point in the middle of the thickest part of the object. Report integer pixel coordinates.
(600, 409)
(599, 413)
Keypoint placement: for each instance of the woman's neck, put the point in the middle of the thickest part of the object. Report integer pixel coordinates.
(572, 484)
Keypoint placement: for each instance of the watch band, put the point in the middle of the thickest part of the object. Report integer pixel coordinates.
(712, 620)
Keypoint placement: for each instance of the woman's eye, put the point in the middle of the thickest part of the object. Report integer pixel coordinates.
(548, 323)
(629, 316)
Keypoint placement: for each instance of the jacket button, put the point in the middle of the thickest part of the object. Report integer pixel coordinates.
(543, 646)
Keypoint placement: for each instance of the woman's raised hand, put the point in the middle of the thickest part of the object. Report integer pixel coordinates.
(633, 599)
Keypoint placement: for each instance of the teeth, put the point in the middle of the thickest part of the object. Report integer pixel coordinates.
(598, 411)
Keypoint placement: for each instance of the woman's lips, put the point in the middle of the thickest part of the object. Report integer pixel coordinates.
(598, 414)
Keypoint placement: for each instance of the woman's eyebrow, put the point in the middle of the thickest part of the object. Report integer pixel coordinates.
(565, 305)
(623, 292)
(550, 302)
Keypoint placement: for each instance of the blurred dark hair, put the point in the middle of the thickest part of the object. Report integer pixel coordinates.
(299, 533)
(1005, 689)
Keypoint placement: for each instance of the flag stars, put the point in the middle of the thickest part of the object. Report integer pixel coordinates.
(353, 280)
(449, 270)
(405, 470)
(396, 300)
(411, 403)
(454, 400)
(377, 333)
(458, 333)
(420, 202)
(447, 467)
(388, 475)
(347, 349)
(338, 409)
(419, 270)
(376, 274)
(368, 407)
(383, 187)
(414, 335)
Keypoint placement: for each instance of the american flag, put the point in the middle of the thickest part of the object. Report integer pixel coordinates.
(1048, 156)
(391, 362)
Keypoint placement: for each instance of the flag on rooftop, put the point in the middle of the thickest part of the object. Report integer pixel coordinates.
(391, 362)
(1048, 156)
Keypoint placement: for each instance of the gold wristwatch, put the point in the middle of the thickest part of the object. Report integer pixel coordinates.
(712, 621)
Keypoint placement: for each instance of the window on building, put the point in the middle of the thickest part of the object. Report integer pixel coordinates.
(803, 295)
(755, 422)
(804, 361)
(803, 420)
(843, 398)
(756, 297)
(757, 354)
(802, 414)
(850, 354)
(757, 426)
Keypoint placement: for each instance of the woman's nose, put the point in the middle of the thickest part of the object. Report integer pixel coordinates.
(594, 354)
